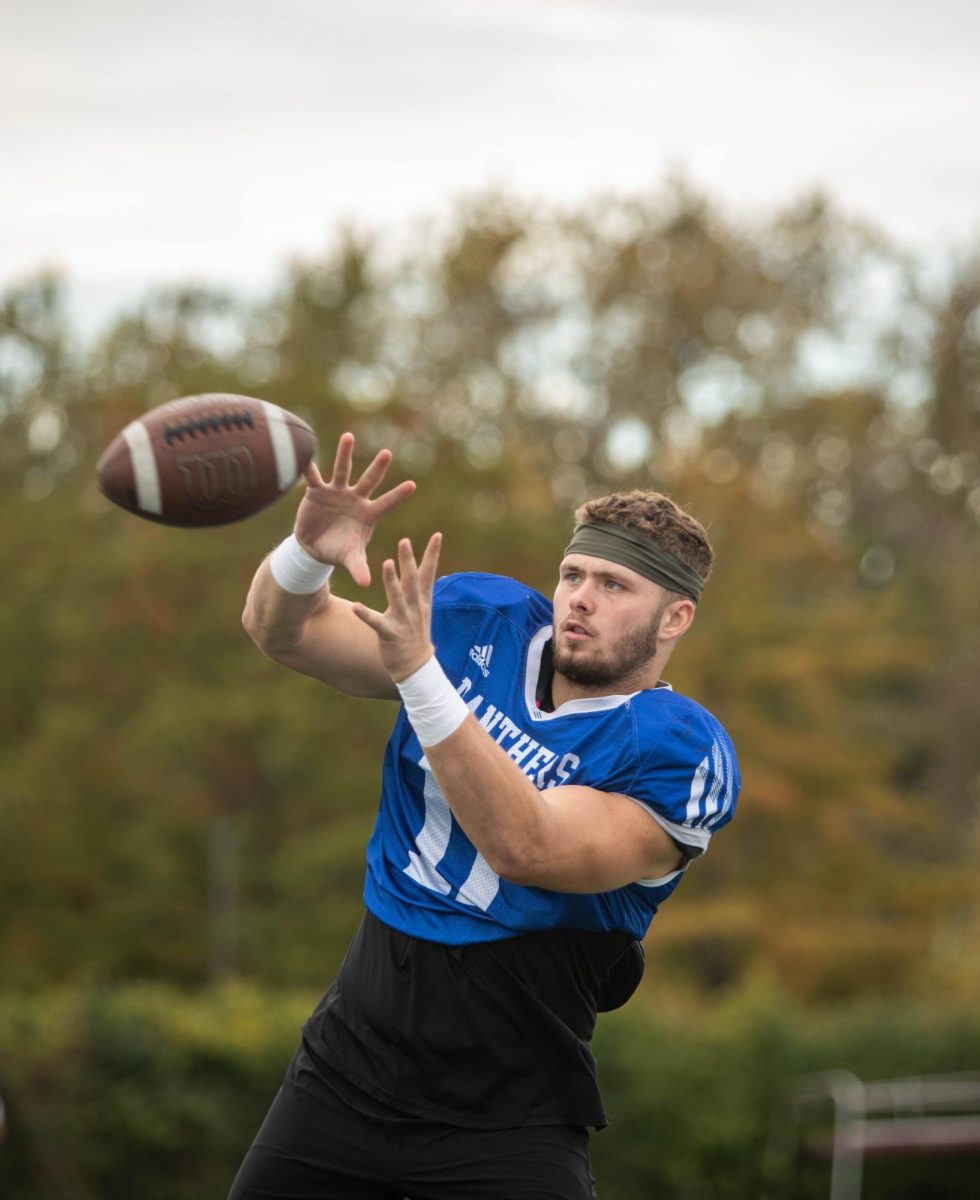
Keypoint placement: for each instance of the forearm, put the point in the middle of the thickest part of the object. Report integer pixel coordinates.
(275, 619)
(315, 634)
(497, 806)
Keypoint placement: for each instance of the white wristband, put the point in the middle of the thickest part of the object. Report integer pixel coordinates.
(295, 570)
(432, 705)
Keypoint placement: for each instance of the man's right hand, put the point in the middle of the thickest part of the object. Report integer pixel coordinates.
(336, 519)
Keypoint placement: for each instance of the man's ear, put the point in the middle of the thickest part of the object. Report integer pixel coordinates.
(677, 619)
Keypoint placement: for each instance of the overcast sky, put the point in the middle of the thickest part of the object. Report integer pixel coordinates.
(145, 141)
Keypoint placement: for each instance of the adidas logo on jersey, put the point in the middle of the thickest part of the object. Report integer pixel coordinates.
(481, 656)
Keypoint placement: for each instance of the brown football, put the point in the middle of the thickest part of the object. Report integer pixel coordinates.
(205, 460)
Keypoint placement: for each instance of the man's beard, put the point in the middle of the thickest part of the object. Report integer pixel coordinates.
(626, 657)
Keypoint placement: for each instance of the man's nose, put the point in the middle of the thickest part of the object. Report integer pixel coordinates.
(581, 598)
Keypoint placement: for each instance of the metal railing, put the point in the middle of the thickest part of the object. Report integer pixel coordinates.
(928, 1114)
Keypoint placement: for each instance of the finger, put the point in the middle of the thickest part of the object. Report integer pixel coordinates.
(398, 495)
(429, 565)
(370, 617)
(373, 473)
(343, 461)
(356, 565)
(409, 572)
(393, 590)
(312, 475)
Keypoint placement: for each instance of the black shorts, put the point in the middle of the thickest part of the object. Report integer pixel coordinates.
(313, 1145)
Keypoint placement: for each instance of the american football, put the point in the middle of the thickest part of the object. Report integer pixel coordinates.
(205, 460)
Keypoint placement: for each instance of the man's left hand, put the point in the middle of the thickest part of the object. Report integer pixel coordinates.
(404, 629)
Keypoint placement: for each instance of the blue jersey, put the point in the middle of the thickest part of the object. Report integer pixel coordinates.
(427, 879)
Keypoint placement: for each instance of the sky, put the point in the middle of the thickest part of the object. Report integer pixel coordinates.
(145, 142)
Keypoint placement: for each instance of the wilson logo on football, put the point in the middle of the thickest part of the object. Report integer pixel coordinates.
(217, 477)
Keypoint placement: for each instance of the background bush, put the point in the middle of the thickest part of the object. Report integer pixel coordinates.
(154, 1092)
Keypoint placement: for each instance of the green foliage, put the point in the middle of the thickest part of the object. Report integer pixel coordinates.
(167, 1087)
(700, 1098)
(104, 1088)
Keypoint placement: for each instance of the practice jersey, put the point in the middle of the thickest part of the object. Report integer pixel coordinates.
(663, 750)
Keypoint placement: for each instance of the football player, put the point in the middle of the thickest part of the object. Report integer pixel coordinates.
(544, 791)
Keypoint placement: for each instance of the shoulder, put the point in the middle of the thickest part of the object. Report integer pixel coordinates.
(687, 772)
(672, 725)
(665, 708)
(496, 593)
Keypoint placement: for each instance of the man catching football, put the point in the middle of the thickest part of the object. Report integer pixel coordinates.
(544, 791)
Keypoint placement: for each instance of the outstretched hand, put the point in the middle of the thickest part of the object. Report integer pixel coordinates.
(404, 629)
(336, 518)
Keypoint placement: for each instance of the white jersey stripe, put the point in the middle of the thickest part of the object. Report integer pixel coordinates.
(687, 834)
(652, 883)
(729, 776)
(145, 474)
(282, 445)
(481, 885)
(433, 839)
(697, 790)
(717, 768)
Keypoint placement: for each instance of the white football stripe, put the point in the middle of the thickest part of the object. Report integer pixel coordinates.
(282, 445)
(145, 472)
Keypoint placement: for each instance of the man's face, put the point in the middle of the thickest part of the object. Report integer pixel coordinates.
(606, 622)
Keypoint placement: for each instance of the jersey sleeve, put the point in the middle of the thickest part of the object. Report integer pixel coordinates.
(689, 781)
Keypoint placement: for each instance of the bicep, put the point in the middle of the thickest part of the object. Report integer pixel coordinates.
(600, 841)
(326, 641)
(338, 649)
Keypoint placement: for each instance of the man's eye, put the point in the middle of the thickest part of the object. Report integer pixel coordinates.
(613, 584)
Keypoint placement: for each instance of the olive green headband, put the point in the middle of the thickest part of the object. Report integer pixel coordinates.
(640, 553)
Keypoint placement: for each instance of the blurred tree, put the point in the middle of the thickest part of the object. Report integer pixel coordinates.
(175, 806)
(38, 370)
